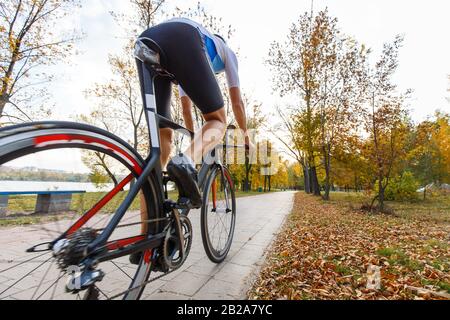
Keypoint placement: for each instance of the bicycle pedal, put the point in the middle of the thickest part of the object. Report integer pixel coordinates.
(169, 205)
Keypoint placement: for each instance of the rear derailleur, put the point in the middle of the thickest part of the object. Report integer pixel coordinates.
(71, 255)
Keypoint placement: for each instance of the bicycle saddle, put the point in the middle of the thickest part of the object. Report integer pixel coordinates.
(150, 53)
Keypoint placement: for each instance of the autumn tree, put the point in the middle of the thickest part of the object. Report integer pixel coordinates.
(340, 63)
(28, 44)
(295, 176)
(255, 121)
(297, 66)
(100, 164)
(442, 137)
(280, 180)
(286, 132)
(384, 118)
(429, 155)
(350, 169)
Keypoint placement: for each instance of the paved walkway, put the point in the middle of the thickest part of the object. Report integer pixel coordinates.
(259, 218)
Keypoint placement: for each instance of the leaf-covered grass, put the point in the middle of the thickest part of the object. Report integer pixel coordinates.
(325, 250)
(433, 208)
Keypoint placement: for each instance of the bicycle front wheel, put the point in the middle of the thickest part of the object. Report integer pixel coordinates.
(65, 148)
(218, 214)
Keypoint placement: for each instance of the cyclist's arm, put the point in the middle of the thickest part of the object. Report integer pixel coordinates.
(239, 110)
(186, 105)
(232, 74)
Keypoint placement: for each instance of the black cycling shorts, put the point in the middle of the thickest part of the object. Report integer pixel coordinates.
(185, 58)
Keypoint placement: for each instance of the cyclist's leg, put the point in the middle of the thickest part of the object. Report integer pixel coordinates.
(163, 95)
(212, 132)
(166, 135)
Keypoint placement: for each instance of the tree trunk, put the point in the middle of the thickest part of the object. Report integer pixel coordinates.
(105, 167)
(3, 102)
(314, 182)
(248, 168)
(307, 180)
(326, 161)
(112, 176)
(326, 196)
(380, 194)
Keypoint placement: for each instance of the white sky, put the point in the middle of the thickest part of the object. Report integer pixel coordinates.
(424, 59)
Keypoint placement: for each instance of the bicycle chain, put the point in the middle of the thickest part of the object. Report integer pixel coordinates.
(137, 223)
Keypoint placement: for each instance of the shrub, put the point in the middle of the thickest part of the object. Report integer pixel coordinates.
(402, 188)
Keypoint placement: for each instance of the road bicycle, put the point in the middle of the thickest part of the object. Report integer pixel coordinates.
(95, 261)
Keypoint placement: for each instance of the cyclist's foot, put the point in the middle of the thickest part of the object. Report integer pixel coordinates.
(182, 170)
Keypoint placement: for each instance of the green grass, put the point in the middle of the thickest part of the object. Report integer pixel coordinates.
(80, 202)
(396, 256)
(438, 283)
(343, 270)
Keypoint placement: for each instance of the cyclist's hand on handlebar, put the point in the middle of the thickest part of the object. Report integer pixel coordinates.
(250, 148)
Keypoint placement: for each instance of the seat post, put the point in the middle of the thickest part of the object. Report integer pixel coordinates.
(147, 84)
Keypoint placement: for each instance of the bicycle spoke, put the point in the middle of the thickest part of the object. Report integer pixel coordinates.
(105, 295)
(121, 270)
(61, 274)
(25, 276)
(42, 280)
(23, 262)
(55, 286)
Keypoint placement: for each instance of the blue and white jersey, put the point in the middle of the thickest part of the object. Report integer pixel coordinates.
(220, 56)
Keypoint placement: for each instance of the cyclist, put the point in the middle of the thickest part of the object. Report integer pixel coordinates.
(194, 55)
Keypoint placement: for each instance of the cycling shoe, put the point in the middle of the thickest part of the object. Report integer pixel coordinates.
(182, 171)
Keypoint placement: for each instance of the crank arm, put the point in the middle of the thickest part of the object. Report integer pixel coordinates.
(179, 233)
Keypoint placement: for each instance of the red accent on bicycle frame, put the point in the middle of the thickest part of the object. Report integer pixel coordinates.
(117, 244)
(214, 193)
(87, 140)
(230, 181)
(95, 209)
(148, 256)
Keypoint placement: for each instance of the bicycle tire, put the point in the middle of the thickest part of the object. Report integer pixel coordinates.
(217, 255)
(21, 140)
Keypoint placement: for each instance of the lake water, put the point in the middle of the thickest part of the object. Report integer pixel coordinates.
(52, 186)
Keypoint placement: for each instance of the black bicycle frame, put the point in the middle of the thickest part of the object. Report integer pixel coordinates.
(147, 80)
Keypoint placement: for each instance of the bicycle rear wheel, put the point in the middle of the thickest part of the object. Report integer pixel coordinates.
(38, 275)
(218, 214)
